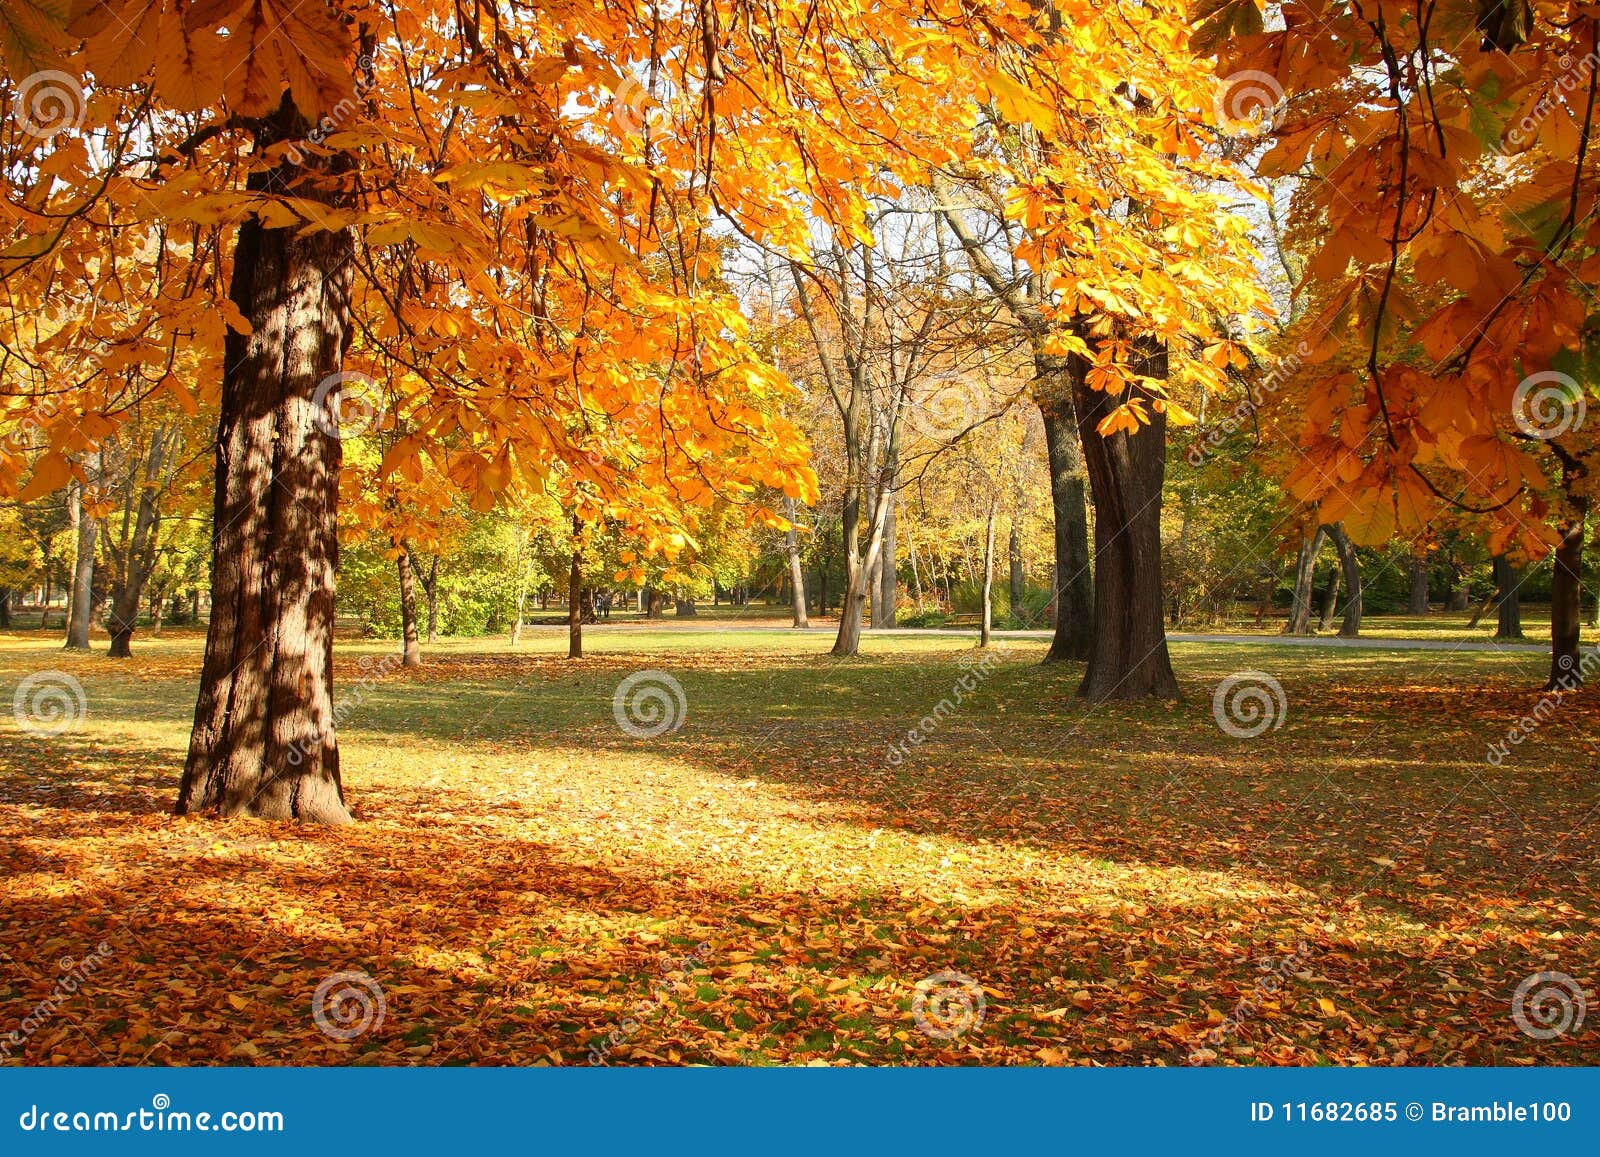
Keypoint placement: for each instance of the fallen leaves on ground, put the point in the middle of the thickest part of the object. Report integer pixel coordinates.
(531, 885)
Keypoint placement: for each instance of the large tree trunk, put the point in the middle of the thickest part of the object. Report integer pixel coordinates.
(683, 608)
(263, 742)
(80, 598)
(1128, 658)
(1350, 565)
(1299, 620)
(1074, 582)
(797, 572)
(988, 580)
(1330, 599)
(411, 649)
(1417, 602)
(1507, 585)
(1566, 610)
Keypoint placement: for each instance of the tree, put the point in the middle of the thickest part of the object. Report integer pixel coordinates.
(1451, 185)
(1507, 584)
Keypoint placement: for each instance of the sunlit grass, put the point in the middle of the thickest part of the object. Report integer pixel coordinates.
(1110, 875)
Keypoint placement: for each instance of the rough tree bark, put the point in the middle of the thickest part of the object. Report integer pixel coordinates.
(411, 648)
(1507, 585)
(1299, 620)
(1417, 600)
(1566, 610)
(1350, 565)
(1074, 579)
(80, 596)
(885, 603)
(263, 742)
(1330, 599)
(797, 572)
(1128, 657)
(430, 593)
(575, 607)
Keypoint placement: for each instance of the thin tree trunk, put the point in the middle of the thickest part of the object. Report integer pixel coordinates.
(430, 588)
(136, 554)
(1128, 658)
(1074, 581)
(80, 599)
(263, 742)
(575, 606)
(797, 572)
(1507, 584)
(411, 649)
(988, 580)
(885, 606)
(858, 565)
(1566, 611)
(519, 598)
(1015, 590)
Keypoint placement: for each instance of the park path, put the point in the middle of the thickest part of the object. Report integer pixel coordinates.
(1376, 643)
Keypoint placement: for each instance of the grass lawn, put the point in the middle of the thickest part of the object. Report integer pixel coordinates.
(768, 884)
